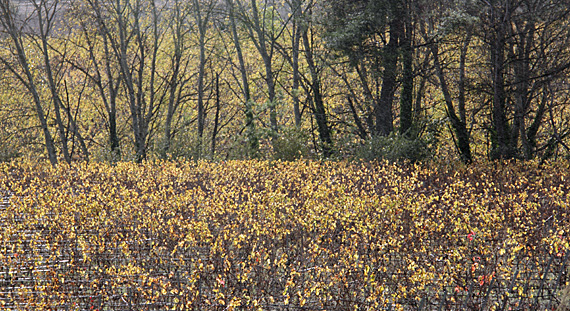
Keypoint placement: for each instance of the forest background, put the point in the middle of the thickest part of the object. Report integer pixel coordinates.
(233, 79)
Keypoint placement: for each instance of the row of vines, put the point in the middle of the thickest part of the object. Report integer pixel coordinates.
(306, 235)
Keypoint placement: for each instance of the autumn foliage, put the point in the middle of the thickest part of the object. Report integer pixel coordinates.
(276, 235)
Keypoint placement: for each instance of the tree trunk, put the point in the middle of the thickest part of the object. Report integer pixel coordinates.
(383, 111)
(44, 24)
(253, 142)
(202, 22)
(295, 59)
(460, 127)
(176, 81)
(260, 40)
(217, 116)
(407, 95)
(500, 134)
(319, 107)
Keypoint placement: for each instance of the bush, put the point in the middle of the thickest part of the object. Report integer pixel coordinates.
(419, 144)
(185, 145)
(239, 148)
(291, 144)
(394, 148)
(8, 153)
(270, 235)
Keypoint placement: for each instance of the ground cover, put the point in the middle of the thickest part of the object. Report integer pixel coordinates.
(284, 236)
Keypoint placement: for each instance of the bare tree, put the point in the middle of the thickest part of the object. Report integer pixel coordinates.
(134, 32)
(203, 11)
(265, 27)
(179, 64)
(296, 26)
(315, 88)
(32, 32)
(253, 141)
(456, 34)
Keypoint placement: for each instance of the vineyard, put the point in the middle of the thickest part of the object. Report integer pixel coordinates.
(305, 235)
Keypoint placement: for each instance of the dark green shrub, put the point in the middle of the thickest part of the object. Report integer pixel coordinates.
(291, 144)
(419, 145)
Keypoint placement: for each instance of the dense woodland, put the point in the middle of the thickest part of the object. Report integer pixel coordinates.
(216, 79)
